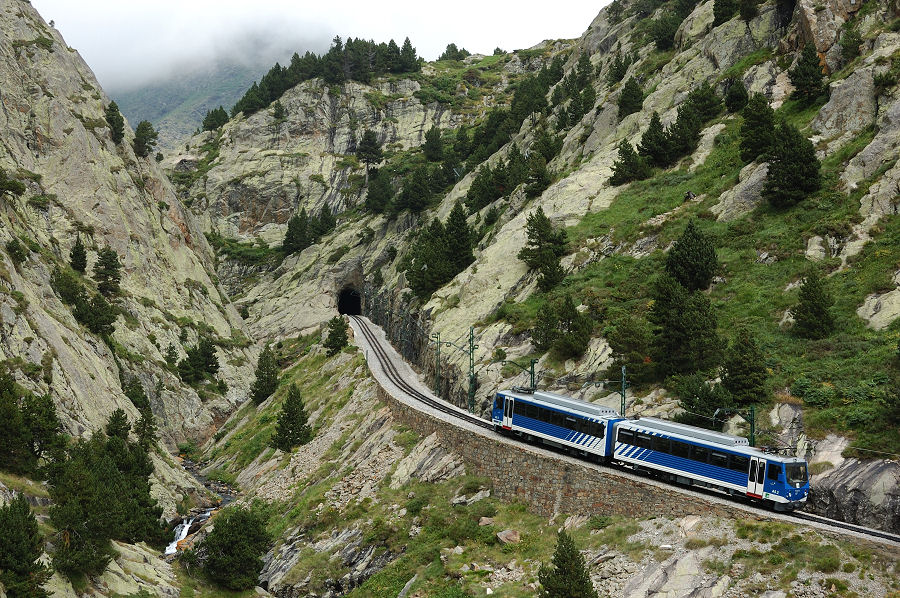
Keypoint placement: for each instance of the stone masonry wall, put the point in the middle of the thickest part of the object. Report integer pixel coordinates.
(552, 484)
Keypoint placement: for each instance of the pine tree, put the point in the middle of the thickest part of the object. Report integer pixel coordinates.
(234, 548)
(631, 99)
(214, 119)
(145, 429)
(379, 192)
(793, 168)
(850, 42)
(550, 271)
(21, 545)
(631, 340)
(171, 356)
(543, 240)
(699, 399)
(748, 10)
(723, 10)
(567, 576)
(685, 336)
(736, 95)
(118, 425)
(266, 376)
(409, 62)
(545, 328)
(744, 372)
(575, 330)
(684, 134)
(145, 138)
(369, 149)
(97, 314)
(41, 424)
(78, 256)
(432, 148)
(337, 335)
(296, 238)
(692, 260)
(663, 29)
(655, 144)
(293, 427)
(107, 271)
(813, 318)
(115, 121)
(459, 239)
(538, 175)
(806, 76)
(705, 101)
(14, 436)
(629, 166)
(758, 128)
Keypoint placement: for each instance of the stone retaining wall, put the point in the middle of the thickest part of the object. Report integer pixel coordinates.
(552, 484)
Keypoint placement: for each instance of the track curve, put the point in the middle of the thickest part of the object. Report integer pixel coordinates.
(398, 380)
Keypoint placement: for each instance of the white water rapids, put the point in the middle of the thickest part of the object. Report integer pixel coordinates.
(181, 532)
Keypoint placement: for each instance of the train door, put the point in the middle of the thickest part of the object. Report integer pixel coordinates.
(756, 477)
(508, 413)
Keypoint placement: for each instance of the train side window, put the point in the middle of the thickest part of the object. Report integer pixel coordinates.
(498, 402)
(774, 471)
(699, 453)
(661, 444)
(626, 436)
(681, 449)
(718, 459)
(643, 440)
(739, 463)
(599, 430)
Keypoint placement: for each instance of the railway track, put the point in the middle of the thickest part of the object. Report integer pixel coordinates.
(396, 378)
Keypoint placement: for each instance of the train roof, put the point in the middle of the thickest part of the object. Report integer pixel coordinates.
(687, 431)
(562, 401)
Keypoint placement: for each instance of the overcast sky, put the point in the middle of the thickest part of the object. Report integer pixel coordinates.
(131, 42)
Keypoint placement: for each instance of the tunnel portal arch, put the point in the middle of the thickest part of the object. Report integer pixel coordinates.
(349, 302)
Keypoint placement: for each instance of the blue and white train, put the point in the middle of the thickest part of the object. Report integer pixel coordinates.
(676, 452)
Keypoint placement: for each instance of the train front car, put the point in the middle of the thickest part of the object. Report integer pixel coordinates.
(697, 457)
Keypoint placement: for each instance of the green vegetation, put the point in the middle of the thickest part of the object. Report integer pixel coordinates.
(266, 376)
(293, 427)
(116, 122)
(234, 548)
(22, 545)
(107, 272)
(337, 335)
(145, 138)
(568, 576)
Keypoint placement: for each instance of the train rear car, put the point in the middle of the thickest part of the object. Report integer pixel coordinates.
(556, 420)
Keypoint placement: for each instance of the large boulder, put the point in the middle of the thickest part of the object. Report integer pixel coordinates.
(850, 109)
(744, 197)
(862, 492)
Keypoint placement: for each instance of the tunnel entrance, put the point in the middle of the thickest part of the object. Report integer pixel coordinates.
(349, 302)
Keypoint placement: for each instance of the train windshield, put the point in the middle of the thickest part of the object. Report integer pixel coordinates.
(796, 473)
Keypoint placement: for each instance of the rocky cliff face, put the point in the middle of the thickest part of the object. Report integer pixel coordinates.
(78, 182)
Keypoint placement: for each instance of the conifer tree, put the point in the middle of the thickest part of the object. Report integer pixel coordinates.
(631, 341)
(337, 335)
(234, 548)
(14, 436)
(214, 119)
(172, 356)
(655, 144)
(118, 426)
(793, 168)
(566, 576)
(705, 101)
(813, 318)
(758, 128)
(293, 427)
(663, 29)
(618, 68)
(107, 271)
(692, 259)
(806, 76)
(409, 62)
(296, 238)
(369, 149)
(699, 399)
(546, 327)
(21, 545)
(432, 148)
(631, 99)
(575, 330)
(723, 10)
(748, 10)
(459, 239)
(538, 175)
(850, 42)
(266, 380)
(629, 166)
(145, 138)
(115, 121)
(541, 237)
(42, 425)
(685, 336)
(684, 134)
(145, 429)
(379, 192)
(97, 314)
(78, 256)
(744, 372)
(736, 95)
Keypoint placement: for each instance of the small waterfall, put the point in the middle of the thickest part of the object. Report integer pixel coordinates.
(181, 532)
